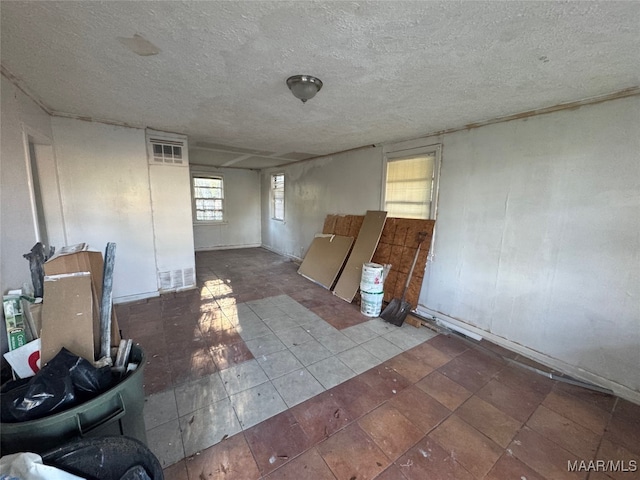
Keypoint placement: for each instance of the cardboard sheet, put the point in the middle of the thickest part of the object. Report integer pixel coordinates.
(82, 260)
(67, 316)
(325, 258)
(362, 253)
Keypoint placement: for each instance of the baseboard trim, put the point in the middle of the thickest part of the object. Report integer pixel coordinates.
(554, 363)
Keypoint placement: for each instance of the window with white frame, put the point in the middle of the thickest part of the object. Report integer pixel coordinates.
(208, 198)
(411, 182)
(277, 196)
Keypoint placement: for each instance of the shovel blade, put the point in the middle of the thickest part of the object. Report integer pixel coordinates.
(396, 312)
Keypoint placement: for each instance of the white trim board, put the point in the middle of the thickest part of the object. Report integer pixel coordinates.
(559, 365)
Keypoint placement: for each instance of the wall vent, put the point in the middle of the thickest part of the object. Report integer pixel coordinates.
(176, 279)
(167, 149)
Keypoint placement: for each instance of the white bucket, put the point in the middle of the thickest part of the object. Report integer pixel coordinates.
(372, 279)
(371, 303)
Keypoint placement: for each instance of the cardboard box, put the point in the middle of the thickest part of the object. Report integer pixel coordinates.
(67, 317)
(85, 261)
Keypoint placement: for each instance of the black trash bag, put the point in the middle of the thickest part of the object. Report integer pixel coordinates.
(64, 382)
(106, 458)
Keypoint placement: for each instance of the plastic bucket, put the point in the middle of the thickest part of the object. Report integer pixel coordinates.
(372, 279)
(118, 411)
(371, 303)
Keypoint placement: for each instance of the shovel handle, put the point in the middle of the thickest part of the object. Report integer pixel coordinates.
(420, 237)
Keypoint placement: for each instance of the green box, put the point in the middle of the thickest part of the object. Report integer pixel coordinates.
(17, 338)
(14, 320)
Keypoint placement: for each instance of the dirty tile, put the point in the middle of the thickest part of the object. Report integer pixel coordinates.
(295, 336)
(278, 363)
(409, 367)
(452, 345)
(464, 373)
(624, 427)
(573, 437)
(231, 459)
(297, 386)
(310, 352)
(486, 418)
(282, 322)
(517, 402)
(276, 441)
(390, 430)
(336, 342)
(226, 356)
(474, 451)
(330, 372)
(199, 393)
(444, 390)
(265, 345)
(177, 471)
(207, 426)
(403, 339)
(542, 455)
(165, 442)
(242, 376)
(320, 416)
(358, 359)
(257, 404)
(508, 467)
(253, 329)
(623, 460)
(430, 355)
(350, 453)
(359, 333)
(159, 408)
(585, 414)
(381, 348)
(419, 408)
(428, 460)
(309, 465)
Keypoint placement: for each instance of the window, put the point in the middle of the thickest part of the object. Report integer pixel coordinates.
(208, 199)
(411, 183)
(277, 196)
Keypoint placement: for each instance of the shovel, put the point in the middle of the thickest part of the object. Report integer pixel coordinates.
(398, 309)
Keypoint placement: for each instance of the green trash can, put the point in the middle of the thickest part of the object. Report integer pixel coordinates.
(118, 411)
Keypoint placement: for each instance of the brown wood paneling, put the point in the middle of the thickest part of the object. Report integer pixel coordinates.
(330, 224)
(325, 258)
(355, 225)
(343, 222)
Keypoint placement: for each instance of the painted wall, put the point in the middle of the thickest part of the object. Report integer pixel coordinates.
(19, 117)
(241, 227)
(104, 182)
(347, 183)
(538, 237)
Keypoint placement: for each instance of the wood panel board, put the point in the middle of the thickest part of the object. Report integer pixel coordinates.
(363, 250)
(325, 258)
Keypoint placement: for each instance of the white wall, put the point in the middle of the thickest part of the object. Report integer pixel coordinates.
(241, 227)
(347, 183)
(19, 117)
(104, 181)
(538, 238)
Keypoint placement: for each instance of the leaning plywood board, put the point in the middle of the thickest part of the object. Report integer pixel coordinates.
(325, 258)
(362, 252)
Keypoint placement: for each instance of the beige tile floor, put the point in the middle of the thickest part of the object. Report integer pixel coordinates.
(297, 356)
(444, 408)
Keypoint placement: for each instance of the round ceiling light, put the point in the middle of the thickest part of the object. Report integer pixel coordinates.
(304, 87)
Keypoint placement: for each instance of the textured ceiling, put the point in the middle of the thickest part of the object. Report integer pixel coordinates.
(391, 70)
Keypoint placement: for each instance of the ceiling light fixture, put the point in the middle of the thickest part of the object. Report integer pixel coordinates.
(304, 87)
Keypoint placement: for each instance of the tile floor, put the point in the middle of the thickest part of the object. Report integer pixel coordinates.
(262, 374)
